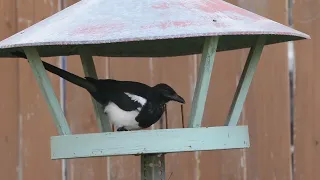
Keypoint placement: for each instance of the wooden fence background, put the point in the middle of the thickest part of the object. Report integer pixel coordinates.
(26, 125)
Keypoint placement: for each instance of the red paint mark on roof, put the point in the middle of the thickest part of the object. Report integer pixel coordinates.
(221, 6)
(170, 24)
(210, 7)
(220, 25)
(183, 4)
(164, 25)
(182, 23)
(95, 29)
(162, 5)
(166, 5)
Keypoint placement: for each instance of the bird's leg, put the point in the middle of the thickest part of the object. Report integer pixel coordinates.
(122, 129)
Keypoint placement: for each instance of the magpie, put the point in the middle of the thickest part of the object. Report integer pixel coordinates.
(129, 105)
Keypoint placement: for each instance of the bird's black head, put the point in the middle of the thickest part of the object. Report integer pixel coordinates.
(167, 93)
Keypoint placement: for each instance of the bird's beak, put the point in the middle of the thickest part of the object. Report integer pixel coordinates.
(177, 98)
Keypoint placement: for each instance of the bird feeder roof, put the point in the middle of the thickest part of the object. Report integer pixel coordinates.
(146, 28)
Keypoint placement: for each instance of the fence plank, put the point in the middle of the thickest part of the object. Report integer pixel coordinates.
(226, 73)
(307, 99)
(81, 116)
(36, 122)
(267, 106)
(181, 74)
(9, 106)
(266, 110)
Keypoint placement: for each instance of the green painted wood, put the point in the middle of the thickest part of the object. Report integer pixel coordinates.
(90, 71)
(201, 91)
(245, 81)
(47, 90)
(149, 141)
(153, 167)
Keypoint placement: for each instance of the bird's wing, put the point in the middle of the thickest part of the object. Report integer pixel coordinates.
(149, 114)
(112, 85)
(136, 88)
(124, 102)
(127, 95)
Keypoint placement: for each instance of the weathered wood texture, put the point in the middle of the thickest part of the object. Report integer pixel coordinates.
(217, 164)
(9, 105)
(267, 106)
(203, 81)
(307, 92)
(266, 109)
(159, 141)
(27, 125)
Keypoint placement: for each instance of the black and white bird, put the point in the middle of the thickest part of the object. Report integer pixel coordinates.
(129, 105)
(132, 105)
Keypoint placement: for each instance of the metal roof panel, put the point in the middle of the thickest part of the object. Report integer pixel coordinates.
(146, 28)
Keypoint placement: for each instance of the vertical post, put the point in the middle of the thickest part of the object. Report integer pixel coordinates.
(245, 81)
(153, 165)
(90, 71)
(201, 91)
(47, 90)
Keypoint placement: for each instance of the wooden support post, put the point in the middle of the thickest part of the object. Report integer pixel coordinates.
(47, 90)
(153, 165)
(90, 71)
(245, 81)
(201, 91)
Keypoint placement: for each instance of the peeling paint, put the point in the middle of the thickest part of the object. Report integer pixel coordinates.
(96, 29)
(161, 5)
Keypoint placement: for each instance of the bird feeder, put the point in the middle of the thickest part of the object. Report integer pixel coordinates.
(145, 28)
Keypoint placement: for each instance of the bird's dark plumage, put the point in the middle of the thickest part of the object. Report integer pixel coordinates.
(129, 105)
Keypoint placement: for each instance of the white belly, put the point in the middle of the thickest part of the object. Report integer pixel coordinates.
(121, 118)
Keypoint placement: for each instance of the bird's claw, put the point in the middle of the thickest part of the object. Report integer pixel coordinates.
(122, 129)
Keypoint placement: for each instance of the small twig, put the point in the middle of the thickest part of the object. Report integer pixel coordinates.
(182, 116)
(166, 115)
(161, 122)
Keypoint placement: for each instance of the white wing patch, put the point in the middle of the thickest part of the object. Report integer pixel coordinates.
(137, 98)
(121, 118)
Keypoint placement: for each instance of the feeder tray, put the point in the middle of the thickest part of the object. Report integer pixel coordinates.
(157, 28)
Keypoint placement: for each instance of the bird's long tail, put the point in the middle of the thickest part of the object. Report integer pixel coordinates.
(64, 74)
